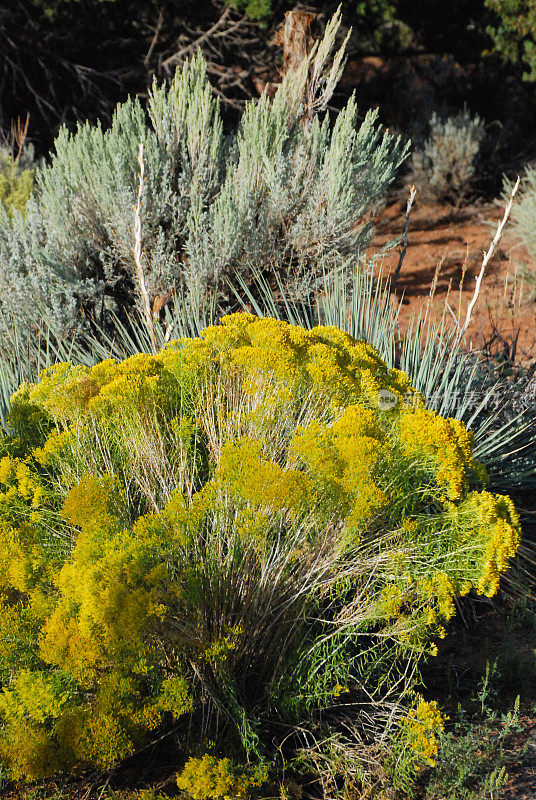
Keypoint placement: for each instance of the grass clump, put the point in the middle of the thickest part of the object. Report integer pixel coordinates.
(231, 546)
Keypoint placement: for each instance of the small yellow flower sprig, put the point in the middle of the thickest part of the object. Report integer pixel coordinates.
(490, 526)
(423, 726)
(211, 778)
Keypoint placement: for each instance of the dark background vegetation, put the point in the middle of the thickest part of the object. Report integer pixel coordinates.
(64, 61)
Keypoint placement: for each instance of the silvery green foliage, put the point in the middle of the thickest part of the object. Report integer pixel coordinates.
(286, 193)
(445, 167)
(523, 214)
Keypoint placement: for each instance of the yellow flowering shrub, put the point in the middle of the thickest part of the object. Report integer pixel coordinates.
(184, 536)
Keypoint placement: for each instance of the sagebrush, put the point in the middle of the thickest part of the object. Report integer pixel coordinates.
(289, 193)
(445, 167)
(524, 211)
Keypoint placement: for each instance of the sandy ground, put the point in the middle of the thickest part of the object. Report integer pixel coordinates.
(445, 248)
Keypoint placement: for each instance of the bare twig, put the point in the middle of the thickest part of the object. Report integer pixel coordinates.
(192, 46)
(155, 37)
(411, 198)
(488, 256)
(231, 103)
(235, 53)
(447, 306)
(146, 304)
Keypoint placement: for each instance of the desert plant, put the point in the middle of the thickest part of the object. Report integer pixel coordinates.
(472, 763)
(16, 182)
(286, 193)
(221, 541)
(469, 386)
(445, 168)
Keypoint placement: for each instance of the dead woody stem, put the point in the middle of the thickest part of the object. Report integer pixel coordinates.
(409, 206)
(146, 304)
(487, 258)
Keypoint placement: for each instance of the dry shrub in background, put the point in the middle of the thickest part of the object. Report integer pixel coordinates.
(445, 167)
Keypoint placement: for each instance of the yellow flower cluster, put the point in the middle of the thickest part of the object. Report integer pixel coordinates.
(243, 472)
(218, 650)
(446, 443)
(175, 697)
(210, 778)
(439, 592)
(21, 482)
(326, 356)
(391, 600)
(33, 696)
(423, 726)
(343, 457)
(493, 520)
